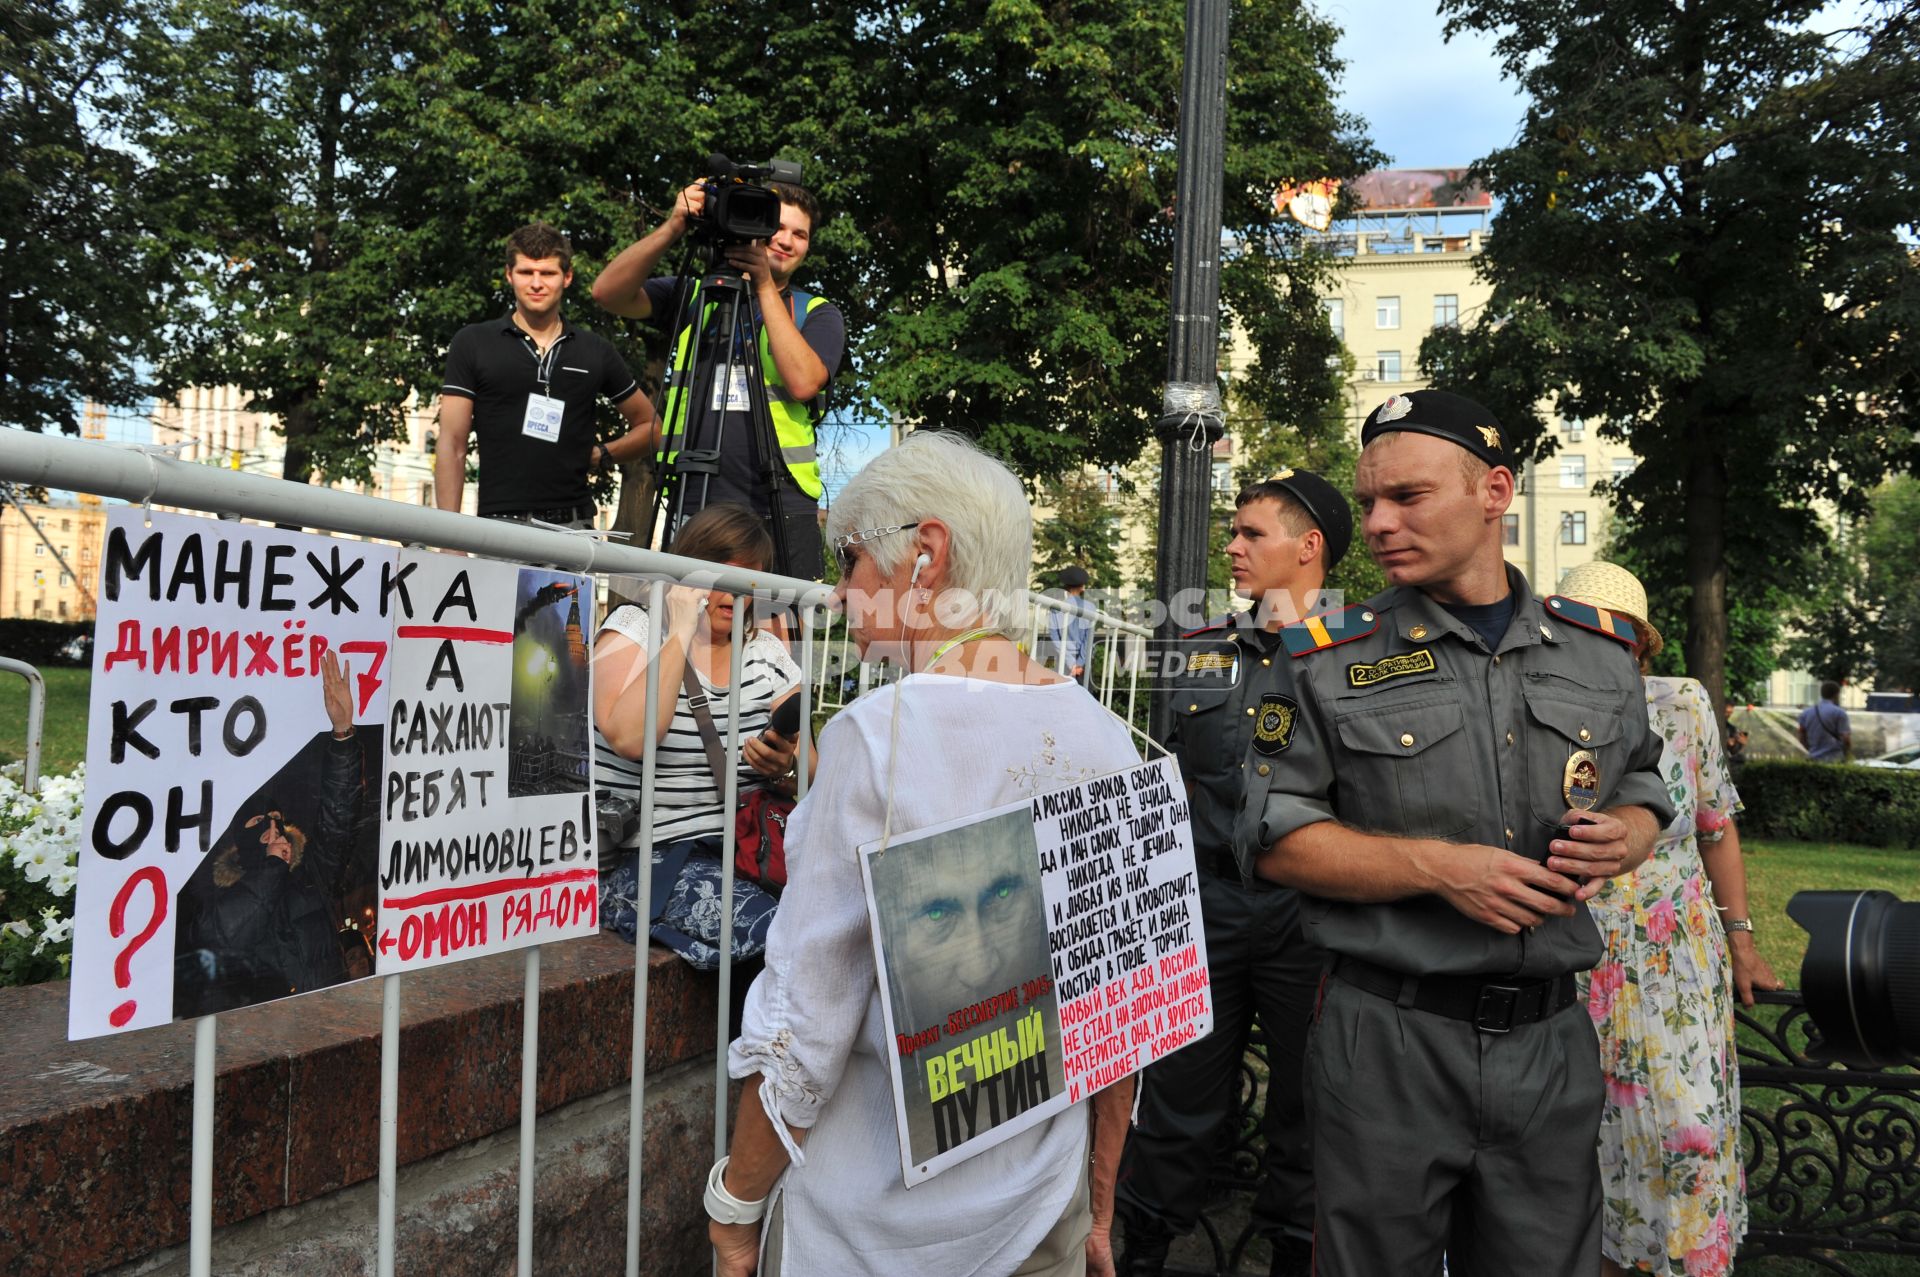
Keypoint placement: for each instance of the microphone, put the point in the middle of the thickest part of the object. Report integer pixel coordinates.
(786, 717)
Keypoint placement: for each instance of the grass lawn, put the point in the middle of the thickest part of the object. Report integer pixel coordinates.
(1775, 870)
(65, 744)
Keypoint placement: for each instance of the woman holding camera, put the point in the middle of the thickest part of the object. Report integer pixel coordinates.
(690, 816)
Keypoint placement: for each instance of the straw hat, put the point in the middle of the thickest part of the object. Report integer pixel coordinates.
(1612, 587)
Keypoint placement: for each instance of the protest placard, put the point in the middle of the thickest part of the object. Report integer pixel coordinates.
(487, 813)
(239, 769)
(998, 939)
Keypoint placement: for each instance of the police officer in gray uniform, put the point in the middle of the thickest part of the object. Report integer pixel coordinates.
(1233, 713)
(1468, 765)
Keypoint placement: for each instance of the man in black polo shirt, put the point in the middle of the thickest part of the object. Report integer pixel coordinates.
(527, 383)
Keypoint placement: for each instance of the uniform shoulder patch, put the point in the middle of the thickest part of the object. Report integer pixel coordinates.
(1597, 619)
(1330, 629)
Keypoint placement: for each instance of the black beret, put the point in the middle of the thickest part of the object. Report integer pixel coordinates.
(1444, 415)
(1073, 574)
(1324, 502)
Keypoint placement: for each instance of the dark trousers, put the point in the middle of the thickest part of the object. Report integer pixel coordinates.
(1262, 967)
(1435, 1137)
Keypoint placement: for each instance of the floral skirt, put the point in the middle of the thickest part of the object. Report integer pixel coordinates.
(686, 918)
(1674, 1200)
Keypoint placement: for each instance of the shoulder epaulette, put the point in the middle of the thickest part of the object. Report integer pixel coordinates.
(1330, 629)
(1597, 619)
(1217, 623)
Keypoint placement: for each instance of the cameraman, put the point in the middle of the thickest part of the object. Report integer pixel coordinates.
(802, 338)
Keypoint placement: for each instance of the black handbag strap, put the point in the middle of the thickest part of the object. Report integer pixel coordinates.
(709, 736)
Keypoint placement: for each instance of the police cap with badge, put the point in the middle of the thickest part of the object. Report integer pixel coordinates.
(1444, 415)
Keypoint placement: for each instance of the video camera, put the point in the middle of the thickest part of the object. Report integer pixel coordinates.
(741, 204)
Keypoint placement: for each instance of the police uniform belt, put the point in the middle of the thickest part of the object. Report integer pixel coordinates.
(1491, 1006)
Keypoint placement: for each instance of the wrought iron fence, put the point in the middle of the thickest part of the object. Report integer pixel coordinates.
(1832, 1158)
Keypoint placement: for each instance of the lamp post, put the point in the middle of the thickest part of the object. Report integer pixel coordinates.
(1190, 417)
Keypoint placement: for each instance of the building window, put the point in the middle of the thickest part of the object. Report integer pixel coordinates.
(1336, 315)
(1223, 476)
(63, 609)
(1386, 365)
(1573, 472)
(66, 525)
(86, 554)
(66, 578)
(1575, 429)
(1509, 529)
(1624, 466)
(1573, 527)
(39, 550)
(1446, 310)
(1386, 312)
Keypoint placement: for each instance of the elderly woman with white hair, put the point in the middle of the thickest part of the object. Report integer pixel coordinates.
(934, 539)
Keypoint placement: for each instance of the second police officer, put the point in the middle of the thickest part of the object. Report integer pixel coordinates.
(1232, 715)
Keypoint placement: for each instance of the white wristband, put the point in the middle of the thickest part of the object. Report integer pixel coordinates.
(723, 1207)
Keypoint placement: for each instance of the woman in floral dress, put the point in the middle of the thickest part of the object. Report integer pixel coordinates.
(1679, 945)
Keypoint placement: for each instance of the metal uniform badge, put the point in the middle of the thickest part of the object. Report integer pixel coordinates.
(1581, 781)
(1273, 725)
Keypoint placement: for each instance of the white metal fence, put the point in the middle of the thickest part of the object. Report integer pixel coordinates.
(825, 651)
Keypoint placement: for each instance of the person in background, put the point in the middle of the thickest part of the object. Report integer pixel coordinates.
(525, 385)
(934, 539)
(1824, 727)
(1071, 632)
(1679, 945)
(690, 816)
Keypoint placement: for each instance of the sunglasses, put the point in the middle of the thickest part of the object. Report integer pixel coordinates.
(844, 546)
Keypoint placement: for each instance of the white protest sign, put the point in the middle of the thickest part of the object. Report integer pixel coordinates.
(306, 765)
(227, 843)
(487, 829)
(999, 940)
(1123, 913)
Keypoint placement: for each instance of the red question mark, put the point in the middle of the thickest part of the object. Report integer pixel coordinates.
(117, 924)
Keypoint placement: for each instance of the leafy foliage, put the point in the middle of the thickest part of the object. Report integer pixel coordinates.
(1083, 529)
(72, 252)
(1831, 802)
(1700, 248)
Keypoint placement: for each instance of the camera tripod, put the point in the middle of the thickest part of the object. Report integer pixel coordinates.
(721, 382)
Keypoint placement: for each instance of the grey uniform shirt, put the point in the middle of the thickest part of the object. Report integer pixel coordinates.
(1416, 729)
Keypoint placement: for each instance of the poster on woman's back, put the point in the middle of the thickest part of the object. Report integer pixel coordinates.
(1013, 948)
(249, 773)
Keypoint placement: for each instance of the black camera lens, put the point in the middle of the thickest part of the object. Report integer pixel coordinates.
(1861, 975)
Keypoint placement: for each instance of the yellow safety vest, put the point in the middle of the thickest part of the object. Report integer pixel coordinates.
(792, 419)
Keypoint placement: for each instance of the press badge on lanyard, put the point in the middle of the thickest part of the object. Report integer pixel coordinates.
(544, 412)
(736, 391)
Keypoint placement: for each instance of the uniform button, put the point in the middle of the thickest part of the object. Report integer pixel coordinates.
(1509, 835)
(1192, 708)
(1509, 738)
(1366, 616)
(1265, 661)
(1496, 660)
(1249, 711)
(1585, 734)
(1263, 769)
(1545, 632)
(1406, 738)
(1417, 632)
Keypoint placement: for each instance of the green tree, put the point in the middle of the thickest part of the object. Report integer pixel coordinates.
(1083, 528)
(1700, 249)
(1021, 162)
(73, 259)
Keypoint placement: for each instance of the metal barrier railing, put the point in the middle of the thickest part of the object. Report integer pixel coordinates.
(145, 477)
(1115, 645)
(36, 720)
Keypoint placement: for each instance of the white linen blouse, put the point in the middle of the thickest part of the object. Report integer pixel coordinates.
(813, 1028)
